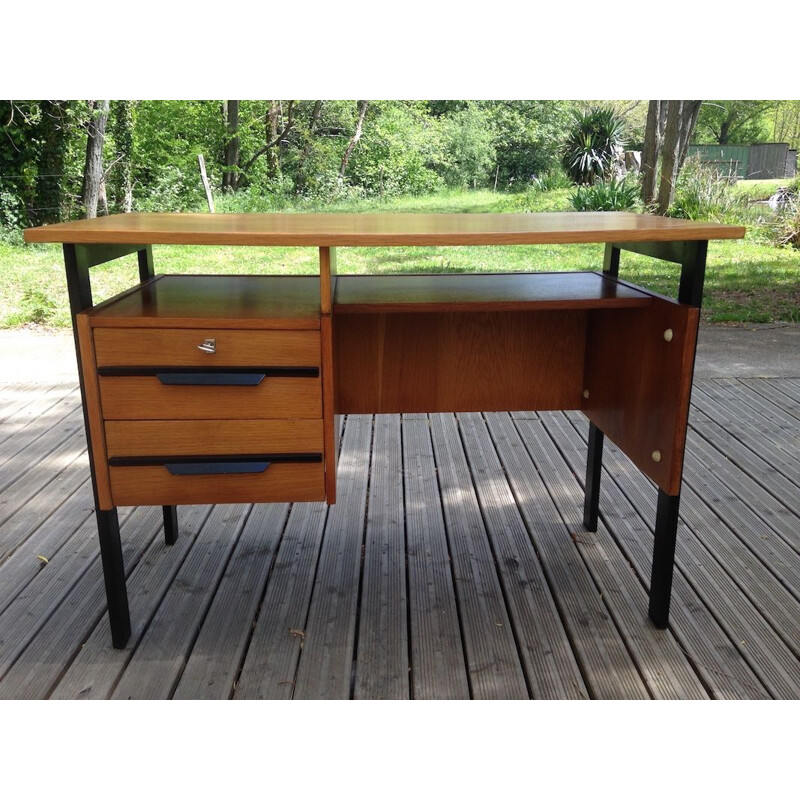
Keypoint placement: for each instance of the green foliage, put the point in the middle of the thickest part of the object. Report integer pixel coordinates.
(550, 180)
(528, 137)
(36, 306)
(610, 195)
(468, 148)
(734, 121)
(703, 193)
(591, 144)
(787, 226)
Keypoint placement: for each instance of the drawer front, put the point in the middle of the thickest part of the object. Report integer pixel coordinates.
(156, 485)
(138, 347)
(212, 437)
(146, 397)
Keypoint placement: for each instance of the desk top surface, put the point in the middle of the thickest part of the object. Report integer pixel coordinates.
(380, 230)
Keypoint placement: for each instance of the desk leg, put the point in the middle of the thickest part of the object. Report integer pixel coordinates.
(114, 575)
(663, 557)
(170, 524)
(594, 465)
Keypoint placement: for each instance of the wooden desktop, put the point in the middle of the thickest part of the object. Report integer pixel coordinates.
(225, 389)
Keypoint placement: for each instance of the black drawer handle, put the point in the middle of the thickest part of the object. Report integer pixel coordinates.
(216, 467)
(211, 378)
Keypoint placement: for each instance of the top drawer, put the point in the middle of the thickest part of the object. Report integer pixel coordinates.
(164, 347)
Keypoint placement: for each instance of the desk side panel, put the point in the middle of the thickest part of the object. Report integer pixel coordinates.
(447, 362)
(640, 382)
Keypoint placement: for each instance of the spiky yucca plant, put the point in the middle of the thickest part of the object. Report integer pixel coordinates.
(591, 145)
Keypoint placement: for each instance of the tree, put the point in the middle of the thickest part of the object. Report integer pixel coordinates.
(274, 136)
(668, 130)
(93, 167)
(52, 131)
(122, 131)
(681, 120)
(230, 177)
(734, 121)
(362, 112)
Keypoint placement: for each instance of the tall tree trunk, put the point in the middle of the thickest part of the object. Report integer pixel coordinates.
(230, 177)
(653, 140)
(681, 120)
(122, 129)
(273, 162)
(362, 112)
(93, 167)
(302, 177)
(50, 184)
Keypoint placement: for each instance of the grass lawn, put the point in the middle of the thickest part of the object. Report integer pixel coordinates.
(746, 281)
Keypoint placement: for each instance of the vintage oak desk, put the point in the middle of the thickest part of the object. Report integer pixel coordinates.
(215, 389)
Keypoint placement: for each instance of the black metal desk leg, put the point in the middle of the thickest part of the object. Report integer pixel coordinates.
(594, 464)
(170, 524)
(663, 557)
(114, 575)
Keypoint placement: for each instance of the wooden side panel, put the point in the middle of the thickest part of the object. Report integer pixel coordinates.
(327, 278)
(329, 421)
(94, 412)
(417, 363)
(213, 437)
(639, 384)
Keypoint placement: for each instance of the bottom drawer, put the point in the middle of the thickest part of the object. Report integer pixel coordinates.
(158, 486)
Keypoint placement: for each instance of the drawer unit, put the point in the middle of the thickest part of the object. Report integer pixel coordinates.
(148, 396)
(174, 347)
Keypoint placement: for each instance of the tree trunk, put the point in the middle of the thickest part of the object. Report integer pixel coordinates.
(123, 170)
(93, 168)
(362, 112)
(692, 109)
(273, 162)
(302, 177)
(681, 120)
(230, 177)
(653, 141)
(50, 184)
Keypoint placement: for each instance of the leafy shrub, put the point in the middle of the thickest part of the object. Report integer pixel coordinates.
(550, 180)
(703, 193)
(787, 228)
(592, 144)
(35, 306)
(611, 195)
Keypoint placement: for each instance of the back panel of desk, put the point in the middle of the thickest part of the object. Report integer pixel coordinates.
(432, 362)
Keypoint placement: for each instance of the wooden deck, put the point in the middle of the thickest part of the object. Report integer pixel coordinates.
(454, 565)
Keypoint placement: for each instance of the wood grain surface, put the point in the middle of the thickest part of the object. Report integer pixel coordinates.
(639, 384)
(226, 301)
(145, 397)
(213, 437)
(165, 347)
(364, 294)
(376, 230)
(393, 363)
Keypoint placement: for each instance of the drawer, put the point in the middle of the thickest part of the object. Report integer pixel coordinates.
(278, 483)
(212, 437)
(135, 347)
(146, 397)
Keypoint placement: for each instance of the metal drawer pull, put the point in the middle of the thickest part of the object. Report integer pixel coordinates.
(216, 467)
(208, 346)
(211, 378)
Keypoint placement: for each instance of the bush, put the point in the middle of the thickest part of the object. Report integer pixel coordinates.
(592, 145)
(550, 180)
(611, 195)
(787, 228)
(703, 193)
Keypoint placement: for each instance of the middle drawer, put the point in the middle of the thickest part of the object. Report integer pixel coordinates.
(217, 437)
(148, 397)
